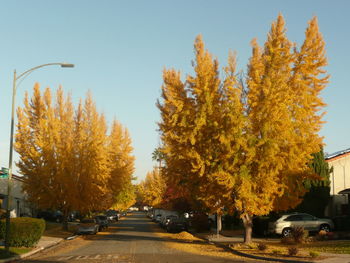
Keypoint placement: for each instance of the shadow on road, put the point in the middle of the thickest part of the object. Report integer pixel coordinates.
(136, 227)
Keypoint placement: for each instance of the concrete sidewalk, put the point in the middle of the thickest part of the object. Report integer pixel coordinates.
(223, 241)
(44, 243)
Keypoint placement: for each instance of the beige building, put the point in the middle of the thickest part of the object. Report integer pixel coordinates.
(19, 205)
(340, 182)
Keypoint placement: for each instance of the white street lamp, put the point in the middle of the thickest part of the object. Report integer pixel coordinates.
(9, 180)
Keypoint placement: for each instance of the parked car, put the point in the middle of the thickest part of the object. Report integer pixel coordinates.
(157, 218)
(53, 216)
(102, 222)
(166, 219)
(283, 226)
(112, 215)
(88, 226)
(176, 225)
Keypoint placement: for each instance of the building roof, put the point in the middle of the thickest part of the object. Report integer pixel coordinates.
(345, 191)
(337, 155)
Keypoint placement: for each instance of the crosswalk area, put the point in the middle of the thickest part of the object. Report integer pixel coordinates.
(97, 258)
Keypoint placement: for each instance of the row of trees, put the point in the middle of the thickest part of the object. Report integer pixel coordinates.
(151, 190)
(245, 143)
(69, 160)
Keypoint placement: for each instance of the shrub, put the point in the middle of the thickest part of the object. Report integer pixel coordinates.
(24, 231)
(276, 251)
(287, 240)
(262, 246)
(299, 234)
(292, 251)
(314, 254)
(252, 245)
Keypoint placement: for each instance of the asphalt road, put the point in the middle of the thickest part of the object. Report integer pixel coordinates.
(132, 240)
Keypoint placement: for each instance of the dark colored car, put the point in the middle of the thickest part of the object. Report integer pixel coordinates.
(53, 216)
(165, 221)
(102, 222)
(176, 225)
(112, 215)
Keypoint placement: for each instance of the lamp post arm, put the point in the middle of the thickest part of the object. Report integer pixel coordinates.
(27, 72)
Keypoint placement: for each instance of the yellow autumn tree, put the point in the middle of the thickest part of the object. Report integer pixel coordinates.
(246, 148)
(91, 164)
(68, 161)
(269, 98)
(121, 165)
(125, 197)
(176, 109)
(216, 139)
(282, 128)
(201, 128)
(152, 188)
(32, 144)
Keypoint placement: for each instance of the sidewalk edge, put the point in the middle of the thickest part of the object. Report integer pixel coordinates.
(238, 253)
(32, 252)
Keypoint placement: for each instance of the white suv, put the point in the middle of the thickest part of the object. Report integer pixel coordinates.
(283, 226)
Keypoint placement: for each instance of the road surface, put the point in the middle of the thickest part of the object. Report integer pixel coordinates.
(131, 240)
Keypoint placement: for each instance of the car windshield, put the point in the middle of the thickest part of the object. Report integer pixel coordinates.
(88, 221)
(111, 213)
(102, 217)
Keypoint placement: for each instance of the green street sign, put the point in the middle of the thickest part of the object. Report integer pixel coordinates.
(5, 172)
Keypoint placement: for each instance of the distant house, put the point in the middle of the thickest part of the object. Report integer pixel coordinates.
(19, 206)
(340, 182)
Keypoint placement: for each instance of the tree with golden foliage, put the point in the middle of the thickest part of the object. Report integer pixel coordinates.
(68, 161)
(152, 189)
(249, 149)
(121, 165)
(284, 122)
(202, 129)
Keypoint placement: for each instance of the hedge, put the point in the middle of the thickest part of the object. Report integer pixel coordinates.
(24, 231)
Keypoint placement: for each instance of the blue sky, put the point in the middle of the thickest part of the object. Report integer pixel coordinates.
(121, 47)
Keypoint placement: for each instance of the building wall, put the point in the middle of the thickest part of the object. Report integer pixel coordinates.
(340, 177)
(340, 180)
(19, 205)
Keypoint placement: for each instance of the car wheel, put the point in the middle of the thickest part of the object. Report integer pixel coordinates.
(286, 232)
(325, 227)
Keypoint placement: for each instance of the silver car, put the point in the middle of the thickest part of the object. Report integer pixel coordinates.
(283, 226)
(88, 226)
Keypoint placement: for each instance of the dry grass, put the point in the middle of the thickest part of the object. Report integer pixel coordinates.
(334, 246)
(55, 230)
(275, 250)
(186, 242)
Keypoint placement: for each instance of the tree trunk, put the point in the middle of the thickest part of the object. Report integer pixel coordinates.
(248, 227)
(218, 224)
(65, 221)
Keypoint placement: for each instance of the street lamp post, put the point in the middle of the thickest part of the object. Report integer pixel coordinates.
(9, 180)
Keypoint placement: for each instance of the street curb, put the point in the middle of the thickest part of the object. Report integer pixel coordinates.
(259, 257)
(238, 253)
(36, 250)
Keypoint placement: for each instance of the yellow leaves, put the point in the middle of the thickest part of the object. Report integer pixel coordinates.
(65, 152)
(246, 148)
(153, 188)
